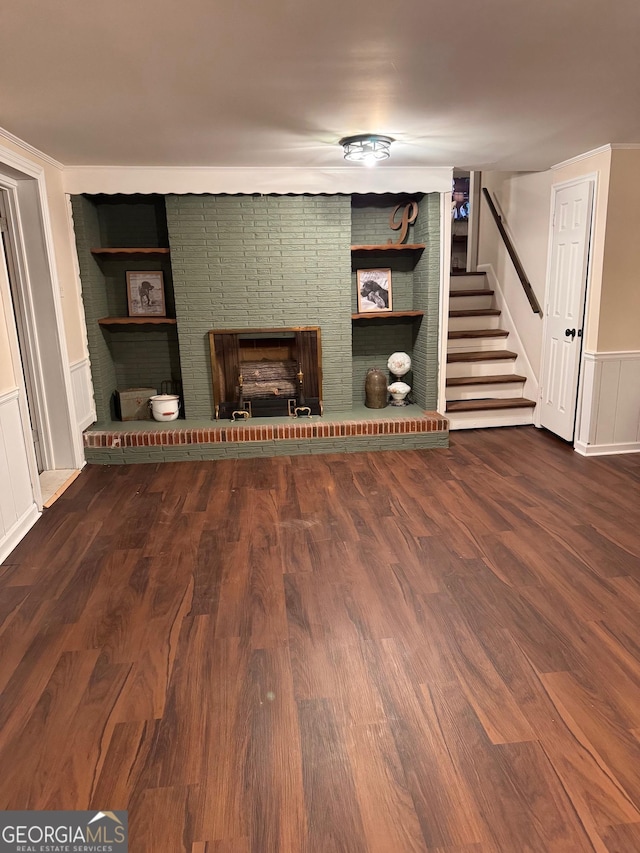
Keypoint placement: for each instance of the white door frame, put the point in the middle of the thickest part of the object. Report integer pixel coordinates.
(445, 285)
(22, 314)
(475, 186)
(61, 440)
(592, 178)
(18, 377)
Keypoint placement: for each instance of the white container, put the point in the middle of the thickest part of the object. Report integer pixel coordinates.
(165, 407)
(398, 391)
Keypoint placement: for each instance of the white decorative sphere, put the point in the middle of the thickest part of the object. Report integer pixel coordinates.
(399, 363)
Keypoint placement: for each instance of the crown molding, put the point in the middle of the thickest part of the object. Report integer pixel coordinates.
(29, 149)
(585, 156)
(611, 146)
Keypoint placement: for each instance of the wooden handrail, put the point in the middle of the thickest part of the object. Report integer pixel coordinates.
(526, 284)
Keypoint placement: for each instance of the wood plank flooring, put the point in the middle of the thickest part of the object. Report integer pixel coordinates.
(368, 653)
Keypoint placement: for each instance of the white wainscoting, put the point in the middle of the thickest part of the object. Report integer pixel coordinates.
(610, 404)
(83, 393)
(18, 509)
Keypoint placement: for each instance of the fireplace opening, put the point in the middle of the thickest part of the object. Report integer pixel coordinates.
(266, 372)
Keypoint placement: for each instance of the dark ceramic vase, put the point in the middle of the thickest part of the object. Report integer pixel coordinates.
(375, 389)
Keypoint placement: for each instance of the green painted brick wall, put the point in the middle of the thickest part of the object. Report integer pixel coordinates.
(426, 286)
(138, 221)
(115, 280)
(373, 343)
(414, 286)
(144, 359)
(122, 357)
(370, 218)
(96, 304)
(261, 261)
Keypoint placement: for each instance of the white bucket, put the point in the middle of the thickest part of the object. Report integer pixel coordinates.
(164, 407)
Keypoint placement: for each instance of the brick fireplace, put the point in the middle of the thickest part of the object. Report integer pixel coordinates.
(257, 270)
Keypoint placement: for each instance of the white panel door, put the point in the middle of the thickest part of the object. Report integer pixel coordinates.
(571, 231)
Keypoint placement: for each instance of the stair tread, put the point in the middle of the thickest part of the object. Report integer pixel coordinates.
(476, 312)
(492, 379)
(463, 272)
(482, 355)
(477, 292)
(477, 333)
(485, 405)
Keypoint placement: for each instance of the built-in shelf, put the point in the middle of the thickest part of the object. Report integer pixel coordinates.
(386, 315)
(137, 321)
(129, 251)
(403, 248)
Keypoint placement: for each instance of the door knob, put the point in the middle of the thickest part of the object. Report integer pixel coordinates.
(570, 333)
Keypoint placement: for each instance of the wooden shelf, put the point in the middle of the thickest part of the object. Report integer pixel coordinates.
(386, 315)
(137, 321)
(406, 248)
(111, 253)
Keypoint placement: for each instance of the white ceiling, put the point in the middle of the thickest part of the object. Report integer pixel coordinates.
(499, 84)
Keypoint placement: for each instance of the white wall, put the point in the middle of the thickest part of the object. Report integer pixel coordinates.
(523, 199)
(619, 325)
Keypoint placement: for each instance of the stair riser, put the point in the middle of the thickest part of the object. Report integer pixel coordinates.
(467, 282)
(476, 344)
(486, 392)
(460, 324)
(484, 420)
(468, 303)
(480, 368)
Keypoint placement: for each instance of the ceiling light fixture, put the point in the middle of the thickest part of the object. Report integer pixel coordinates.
(367, 148)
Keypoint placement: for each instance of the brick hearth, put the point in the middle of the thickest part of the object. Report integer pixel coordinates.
(127, 443)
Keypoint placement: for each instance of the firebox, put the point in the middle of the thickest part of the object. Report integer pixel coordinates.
(266, 372)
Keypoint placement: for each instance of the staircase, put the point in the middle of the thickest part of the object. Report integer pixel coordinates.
(484, 388)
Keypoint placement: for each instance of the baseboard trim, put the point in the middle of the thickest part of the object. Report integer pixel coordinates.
(606, 449)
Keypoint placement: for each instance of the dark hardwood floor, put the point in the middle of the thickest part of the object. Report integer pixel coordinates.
(367, 653)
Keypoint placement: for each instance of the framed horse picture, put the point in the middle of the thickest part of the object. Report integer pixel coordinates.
(145, 294)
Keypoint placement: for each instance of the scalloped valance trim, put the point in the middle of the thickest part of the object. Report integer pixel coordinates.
(251, 180)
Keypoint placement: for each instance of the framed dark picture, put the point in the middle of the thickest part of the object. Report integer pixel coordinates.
(374, 290)
(145, 294)
(460, 200)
